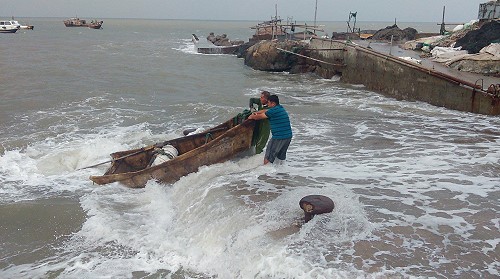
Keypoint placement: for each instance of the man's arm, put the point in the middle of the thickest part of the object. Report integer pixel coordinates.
(258, 115)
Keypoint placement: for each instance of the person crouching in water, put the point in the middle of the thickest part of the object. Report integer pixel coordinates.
(281, 129)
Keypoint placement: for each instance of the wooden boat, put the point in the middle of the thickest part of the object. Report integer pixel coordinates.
(134, 169)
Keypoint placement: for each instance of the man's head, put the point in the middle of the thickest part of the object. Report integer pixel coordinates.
(273, 100)
(307, 207)
(264, 96)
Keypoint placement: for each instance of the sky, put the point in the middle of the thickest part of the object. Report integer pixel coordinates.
(457, 11)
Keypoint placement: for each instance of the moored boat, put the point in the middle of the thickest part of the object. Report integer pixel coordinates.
(134, 168)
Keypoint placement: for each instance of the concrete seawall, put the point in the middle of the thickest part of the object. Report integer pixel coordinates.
(402, 79)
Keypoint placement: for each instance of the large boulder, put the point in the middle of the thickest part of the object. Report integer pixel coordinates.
(396, 34)
(243, 48)
(265, 56)
(345, 36)
(221, 40)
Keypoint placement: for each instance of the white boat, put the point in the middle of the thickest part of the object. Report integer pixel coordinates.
(9, 26)
(15, 22)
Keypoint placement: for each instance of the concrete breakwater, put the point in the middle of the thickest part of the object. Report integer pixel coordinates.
(378, 71)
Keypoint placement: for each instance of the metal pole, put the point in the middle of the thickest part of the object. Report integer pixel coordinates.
(275, 25)
(315, 13)
(443, 30)
(390, 49)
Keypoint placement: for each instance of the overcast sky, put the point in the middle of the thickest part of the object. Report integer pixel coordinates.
(300, 10)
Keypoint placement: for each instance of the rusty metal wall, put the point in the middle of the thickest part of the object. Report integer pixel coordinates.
(404, 80)
(490, 10)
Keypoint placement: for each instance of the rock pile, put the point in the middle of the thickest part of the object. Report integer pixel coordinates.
(265, 56)
(395, 33)
(222, 40)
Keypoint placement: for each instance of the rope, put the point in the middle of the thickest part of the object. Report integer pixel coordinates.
(321, 61)
(208, 135)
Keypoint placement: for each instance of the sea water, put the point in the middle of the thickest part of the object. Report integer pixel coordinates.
(415, 186)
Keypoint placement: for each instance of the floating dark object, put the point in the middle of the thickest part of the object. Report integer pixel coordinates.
(314, 205)
(188, 131)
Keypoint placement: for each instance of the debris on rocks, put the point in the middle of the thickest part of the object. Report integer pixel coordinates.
(474, 47)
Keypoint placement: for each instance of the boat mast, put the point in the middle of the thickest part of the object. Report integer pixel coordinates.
(274, 22)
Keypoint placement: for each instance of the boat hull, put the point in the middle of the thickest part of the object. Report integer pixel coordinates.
(95, 26)
(14, 30)
(9, 26)
(215, 145)
(76, 22)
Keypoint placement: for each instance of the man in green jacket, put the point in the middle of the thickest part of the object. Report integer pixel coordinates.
(264, 123)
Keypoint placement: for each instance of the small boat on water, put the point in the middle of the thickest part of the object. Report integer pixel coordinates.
(94, 24)
(27, 27)
(9, 26)
(134, 168)
(77, 22)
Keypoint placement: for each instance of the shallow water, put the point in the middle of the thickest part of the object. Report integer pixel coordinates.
(415, 186)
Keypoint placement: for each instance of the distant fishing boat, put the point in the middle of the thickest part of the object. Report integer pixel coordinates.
(77, 22)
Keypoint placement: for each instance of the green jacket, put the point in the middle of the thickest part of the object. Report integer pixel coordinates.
(264, 127)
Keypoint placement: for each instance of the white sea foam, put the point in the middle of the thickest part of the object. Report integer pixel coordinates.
(206, 224)
(187, 46)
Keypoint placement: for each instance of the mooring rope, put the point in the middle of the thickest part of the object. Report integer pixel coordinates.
(208, 135)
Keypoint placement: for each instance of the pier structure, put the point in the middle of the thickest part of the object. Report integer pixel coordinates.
(381, 70)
